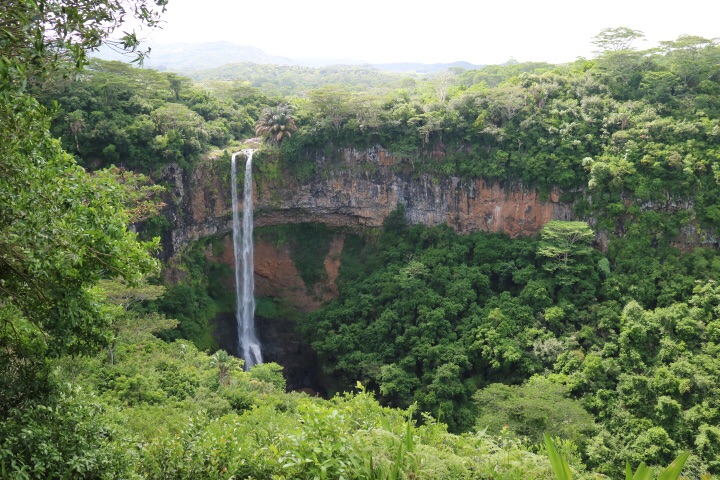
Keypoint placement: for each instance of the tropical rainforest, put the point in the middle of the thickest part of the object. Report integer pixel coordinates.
(589, 350)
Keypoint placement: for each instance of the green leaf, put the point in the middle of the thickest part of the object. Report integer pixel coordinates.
(672, 472)
(642, 472)
(559, 464)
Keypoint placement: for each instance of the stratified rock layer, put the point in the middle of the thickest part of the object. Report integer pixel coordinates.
(360, 189)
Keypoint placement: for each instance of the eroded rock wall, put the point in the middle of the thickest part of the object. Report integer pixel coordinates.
(276, 275)
(359, 189)
(277, 278)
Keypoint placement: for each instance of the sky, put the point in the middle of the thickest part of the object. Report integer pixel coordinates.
(439, 31)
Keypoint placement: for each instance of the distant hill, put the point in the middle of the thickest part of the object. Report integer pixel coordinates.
(408, 67)
(187, 56)
(183, 57)
(194, 57)
(297, 80)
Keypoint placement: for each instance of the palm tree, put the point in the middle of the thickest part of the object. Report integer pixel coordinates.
(224, 364)
(276, 124)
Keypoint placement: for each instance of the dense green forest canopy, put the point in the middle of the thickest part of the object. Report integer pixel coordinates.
(297, 81)
(142, 119)
(446, 321)
(615, 352)
(61, 229)
(620, 134)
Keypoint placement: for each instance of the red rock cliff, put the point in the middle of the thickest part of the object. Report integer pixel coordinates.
(361, 188)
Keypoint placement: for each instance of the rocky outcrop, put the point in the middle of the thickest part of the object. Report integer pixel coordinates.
(359, 189)
(276, 275)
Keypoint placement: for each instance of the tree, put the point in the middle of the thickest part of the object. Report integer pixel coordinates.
(506, 102)
(366, 111)
(442, 83)
(566, 254)
(40, 38)
(330, 104)
(182, 132)
(61, 231)
(225, 365)
(127, 323)
(276, 124)
(537, 407)
(269, 373)
(76, 122)
(692, 58)
(616, 39)
(622, 63)
(178, 84)
(139, 195)
(564, 242)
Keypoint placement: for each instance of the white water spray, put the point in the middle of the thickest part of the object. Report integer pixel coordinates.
(244, 265)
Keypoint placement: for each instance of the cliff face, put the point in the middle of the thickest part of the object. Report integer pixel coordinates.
(276, 275)
(277, 278)
(360, 189)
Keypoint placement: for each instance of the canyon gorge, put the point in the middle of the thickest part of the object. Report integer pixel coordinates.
(351, 193)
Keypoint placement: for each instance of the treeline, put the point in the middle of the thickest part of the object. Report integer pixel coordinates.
(627, 131)
(292, 81)
(622, 134)
(142, 119)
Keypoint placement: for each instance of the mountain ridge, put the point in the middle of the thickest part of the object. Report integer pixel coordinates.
(191, 57)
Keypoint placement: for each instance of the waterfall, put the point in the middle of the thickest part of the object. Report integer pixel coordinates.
(249, 345)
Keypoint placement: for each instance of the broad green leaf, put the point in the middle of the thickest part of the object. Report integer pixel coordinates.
(559, 464)
(672, 472)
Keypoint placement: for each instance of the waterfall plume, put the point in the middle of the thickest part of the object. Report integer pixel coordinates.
(249, 345)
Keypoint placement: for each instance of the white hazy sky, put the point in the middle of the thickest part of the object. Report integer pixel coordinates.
(482, 32)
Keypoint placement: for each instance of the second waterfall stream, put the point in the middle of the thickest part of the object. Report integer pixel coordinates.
(249, 345)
